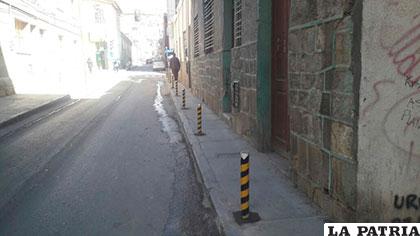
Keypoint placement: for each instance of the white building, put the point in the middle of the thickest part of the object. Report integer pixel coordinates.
(41, 44)
(144, 31)
(101, 32)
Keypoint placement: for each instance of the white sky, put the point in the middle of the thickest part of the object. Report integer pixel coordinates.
(145, 6)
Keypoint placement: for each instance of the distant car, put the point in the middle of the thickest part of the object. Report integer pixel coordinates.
(149, 61)
(158, 65)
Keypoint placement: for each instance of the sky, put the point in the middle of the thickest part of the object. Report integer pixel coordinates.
(145, 6)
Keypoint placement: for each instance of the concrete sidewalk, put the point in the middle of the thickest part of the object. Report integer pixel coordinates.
(283, 209)
(17, 107)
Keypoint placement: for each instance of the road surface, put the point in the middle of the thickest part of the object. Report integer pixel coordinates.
(117, 165)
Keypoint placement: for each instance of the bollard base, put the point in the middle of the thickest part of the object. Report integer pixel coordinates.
(199, 134)
(253, 217)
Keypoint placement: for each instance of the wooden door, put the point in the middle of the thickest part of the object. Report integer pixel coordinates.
(279, 102)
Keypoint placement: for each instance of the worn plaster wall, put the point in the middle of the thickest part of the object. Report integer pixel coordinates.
(389, 124)
(6, 85)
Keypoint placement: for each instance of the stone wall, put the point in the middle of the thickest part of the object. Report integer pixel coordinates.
(244, 69)
(206, 69)
(207, 82)
(389, 125)
(321, 103)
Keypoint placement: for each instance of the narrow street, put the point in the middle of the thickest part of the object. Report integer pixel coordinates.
(117, 165)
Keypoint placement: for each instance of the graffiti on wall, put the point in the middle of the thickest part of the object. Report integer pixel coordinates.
(395, 102)
(410, 202)
(401, 123)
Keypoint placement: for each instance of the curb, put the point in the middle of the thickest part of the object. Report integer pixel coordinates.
(23, 115)
(207, 175)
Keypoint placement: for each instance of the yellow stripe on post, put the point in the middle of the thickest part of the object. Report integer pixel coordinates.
(244, 180)
(244, 206)
(245, 193)
(244, 167)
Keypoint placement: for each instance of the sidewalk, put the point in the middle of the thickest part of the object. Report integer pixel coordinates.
(282, 208)
(17, 107)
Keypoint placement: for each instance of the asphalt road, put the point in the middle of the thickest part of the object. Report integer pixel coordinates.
(117, 165)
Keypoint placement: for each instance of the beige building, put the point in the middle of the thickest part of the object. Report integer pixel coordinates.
(180, 33)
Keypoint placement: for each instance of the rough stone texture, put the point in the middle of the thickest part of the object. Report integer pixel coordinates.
(207, 70)
(243, 69)
(321, 104)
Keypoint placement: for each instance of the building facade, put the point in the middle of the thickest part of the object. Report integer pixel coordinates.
(41, 45)
(101, 32)
(145, 30)
(330, 85)
(126, 52)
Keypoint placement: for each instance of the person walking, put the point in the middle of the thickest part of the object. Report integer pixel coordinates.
(90, 64)
(175, 66)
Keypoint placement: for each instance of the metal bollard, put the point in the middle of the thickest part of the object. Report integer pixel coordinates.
(183, 99)
(176, 88)
(244, 215)
(199, 121)
(244, 186)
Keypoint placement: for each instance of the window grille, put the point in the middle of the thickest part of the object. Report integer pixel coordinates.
(99, 15)
(208, 25)
(196, 37)
(237, 23)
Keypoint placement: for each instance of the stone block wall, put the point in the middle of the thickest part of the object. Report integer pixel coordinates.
(243, 69)
(321, 103)
(206, 69)
(207, 80)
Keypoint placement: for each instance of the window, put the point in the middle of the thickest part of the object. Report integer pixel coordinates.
(208, 26)
(20, 32)
(237, 23)
(99, 15)
(196, 37)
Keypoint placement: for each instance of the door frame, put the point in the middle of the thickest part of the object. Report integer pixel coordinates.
(283, 10)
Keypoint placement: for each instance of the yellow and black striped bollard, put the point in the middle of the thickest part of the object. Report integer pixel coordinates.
(244, 186)
(199, 121)
(244, 215)
(176, 88)
(183, 100)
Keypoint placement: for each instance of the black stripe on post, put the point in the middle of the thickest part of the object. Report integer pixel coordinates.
(245, 199)
(244, 173)
(245, 186)
(244, 215)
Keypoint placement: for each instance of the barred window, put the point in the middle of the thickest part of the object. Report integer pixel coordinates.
(208, 25)
(99, 14)
(237, 23)
(196, 37)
